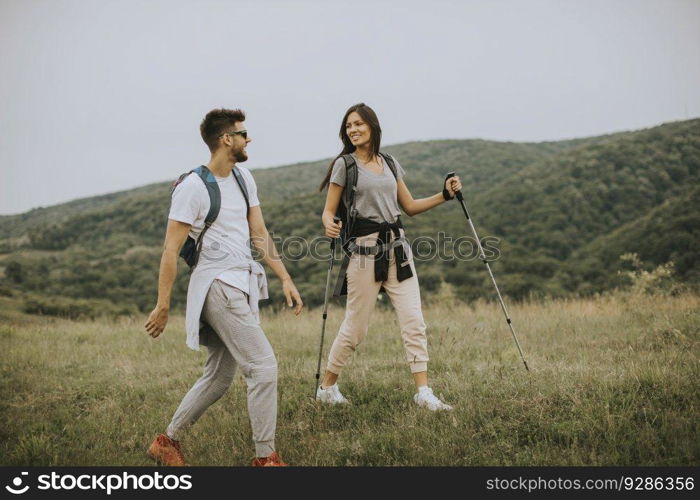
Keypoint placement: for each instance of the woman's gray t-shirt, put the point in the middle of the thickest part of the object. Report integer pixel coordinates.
(376, 197)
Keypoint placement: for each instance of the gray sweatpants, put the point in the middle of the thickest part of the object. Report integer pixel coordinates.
(237, 340)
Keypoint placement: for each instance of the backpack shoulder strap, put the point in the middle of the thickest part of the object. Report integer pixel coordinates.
(392, 165)
(191, 249)
(350, 180)
(214, 193)
(241, 184)
(348, 214)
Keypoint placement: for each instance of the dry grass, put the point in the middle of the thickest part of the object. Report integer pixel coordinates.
(613, 381)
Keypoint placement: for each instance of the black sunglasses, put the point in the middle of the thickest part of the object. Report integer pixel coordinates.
(242, 133)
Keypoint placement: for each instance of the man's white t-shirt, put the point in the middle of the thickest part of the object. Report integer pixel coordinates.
(229, 234)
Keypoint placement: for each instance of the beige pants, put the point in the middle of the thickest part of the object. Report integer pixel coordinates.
(362, 295)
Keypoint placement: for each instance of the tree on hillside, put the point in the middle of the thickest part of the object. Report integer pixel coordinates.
(13, 272)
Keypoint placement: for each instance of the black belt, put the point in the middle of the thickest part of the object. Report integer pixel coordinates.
(381, 250)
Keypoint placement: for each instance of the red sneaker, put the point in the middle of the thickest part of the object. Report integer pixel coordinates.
(273, 460)
(166, 451)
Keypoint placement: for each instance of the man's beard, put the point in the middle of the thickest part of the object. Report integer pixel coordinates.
(240, 156)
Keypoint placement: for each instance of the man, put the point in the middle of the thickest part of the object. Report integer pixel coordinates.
(223, 291)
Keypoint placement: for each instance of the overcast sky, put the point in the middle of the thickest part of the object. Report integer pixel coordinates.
(100, 96)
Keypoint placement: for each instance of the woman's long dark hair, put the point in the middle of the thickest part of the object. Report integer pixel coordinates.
(375, 139)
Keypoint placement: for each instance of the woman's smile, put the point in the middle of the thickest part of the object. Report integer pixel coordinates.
(357, 129)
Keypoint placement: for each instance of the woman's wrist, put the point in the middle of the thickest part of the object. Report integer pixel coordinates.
(446, 195)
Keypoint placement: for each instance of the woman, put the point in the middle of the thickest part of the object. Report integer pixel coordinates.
(381, 193)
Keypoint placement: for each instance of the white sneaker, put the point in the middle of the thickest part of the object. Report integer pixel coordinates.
(425, 398)
(330, 395)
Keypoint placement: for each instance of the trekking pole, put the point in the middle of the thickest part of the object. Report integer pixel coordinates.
(482, 256)
(325, 309)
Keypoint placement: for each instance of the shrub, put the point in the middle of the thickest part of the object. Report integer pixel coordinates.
(75, 308)
(639, 281)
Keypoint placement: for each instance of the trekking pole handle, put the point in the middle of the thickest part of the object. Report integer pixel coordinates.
(458, 194)
(336, 219)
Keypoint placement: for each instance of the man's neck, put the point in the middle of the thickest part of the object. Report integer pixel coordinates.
(220, 166)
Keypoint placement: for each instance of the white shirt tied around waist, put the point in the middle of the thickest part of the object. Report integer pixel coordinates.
(204, 275)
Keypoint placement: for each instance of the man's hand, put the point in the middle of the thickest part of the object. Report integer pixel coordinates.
(262, 241)
(291, 292)
(157, 320)
(175, 236)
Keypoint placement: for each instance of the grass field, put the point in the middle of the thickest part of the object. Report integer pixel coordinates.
(613, 381)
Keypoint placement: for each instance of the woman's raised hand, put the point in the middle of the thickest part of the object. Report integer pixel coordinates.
(453, 184)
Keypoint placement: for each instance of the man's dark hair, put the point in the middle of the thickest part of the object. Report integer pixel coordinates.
(217, 122)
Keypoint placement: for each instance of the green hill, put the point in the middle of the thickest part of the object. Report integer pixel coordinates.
(668, 233)
(562, 212)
